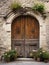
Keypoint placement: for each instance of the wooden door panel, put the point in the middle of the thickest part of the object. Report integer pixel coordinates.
(20, 50)
(16, 33)
(26, 50)
(32, 28)
(17, 29)
(25, 34)
(25, 27)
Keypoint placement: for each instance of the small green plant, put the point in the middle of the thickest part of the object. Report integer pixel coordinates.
(15, 5)
(39, 52)
(38, 7)
(42, 54)
(45, 55)
(10, 55)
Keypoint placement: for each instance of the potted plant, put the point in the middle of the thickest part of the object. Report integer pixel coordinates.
(46, 56)
(6, 57)
(40, 54)
(10, 55)
(38, 7)
(13, 55)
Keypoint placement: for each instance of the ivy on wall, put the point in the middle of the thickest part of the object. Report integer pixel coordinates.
(38, 7)
(15, 5)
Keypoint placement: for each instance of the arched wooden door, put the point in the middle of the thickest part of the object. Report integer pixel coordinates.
(25, 35)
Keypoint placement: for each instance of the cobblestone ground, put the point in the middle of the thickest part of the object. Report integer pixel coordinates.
(25, 63)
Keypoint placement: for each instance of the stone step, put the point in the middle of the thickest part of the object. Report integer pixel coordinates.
(25, 59)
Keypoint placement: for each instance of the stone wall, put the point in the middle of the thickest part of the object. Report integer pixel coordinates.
(5, 24)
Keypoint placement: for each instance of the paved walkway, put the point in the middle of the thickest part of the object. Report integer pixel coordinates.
(25, 63)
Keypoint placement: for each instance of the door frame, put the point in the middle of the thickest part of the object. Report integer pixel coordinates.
(31, 13)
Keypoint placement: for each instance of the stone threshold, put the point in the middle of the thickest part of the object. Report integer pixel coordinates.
(25, 59)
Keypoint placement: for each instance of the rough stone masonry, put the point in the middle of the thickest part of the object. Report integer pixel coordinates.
(5, 36)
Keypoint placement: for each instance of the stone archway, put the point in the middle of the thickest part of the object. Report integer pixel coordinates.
(42, 29)
(25, 34)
